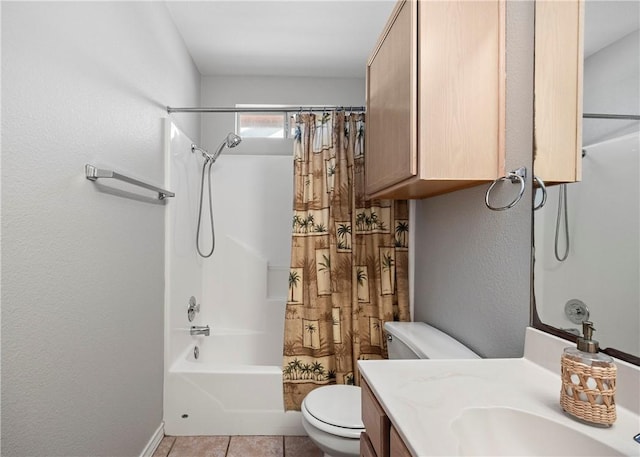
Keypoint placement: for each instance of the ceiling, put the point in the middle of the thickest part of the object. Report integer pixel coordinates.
(325, 38)
(605, 22)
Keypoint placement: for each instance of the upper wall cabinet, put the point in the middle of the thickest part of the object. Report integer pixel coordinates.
(558, 91)
(436, 99)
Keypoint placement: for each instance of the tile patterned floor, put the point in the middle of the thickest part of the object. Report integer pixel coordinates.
(237, 446)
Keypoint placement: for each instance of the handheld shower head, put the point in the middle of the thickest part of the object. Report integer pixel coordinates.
(231, 141)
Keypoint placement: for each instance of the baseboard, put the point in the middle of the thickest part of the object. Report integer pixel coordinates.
(154, 442)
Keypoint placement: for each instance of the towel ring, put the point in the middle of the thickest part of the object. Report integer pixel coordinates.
(543, 188)
(515, 176)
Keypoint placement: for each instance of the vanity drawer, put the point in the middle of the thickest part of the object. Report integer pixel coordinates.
(397, 446)
(376, 422)
(366, 449)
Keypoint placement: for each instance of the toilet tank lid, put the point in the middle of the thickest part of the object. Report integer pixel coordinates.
(428, 342)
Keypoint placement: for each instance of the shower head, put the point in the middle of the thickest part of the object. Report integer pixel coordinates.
(231, 141)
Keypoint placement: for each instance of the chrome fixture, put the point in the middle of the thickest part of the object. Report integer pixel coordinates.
(196, 352)
(630, 117)
(199, 330)
(515, 177)
(576, 311)
(253, 109)
(93, 174)
(231, 141)
(205, 154)
(193, 309)
(562, 212)
(543, 189)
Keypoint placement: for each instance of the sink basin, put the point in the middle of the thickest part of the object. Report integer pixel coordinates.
(506, 431)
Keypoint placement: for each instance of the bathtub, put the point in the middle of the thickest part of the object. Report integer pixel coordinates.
(234, 387)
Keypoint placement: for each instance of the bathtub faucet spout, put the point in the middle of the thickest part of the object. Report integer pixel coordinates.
(199, 330)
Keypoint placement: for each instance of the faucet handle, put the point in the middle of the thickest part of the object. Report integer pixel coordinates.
(193, 309)
(199, 330)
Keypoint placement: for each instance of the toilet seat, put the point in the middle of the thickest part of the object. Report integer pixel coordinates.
(335, 409)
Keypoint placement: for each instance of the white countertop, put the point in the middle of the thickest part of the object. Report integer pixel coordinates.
(423, 397)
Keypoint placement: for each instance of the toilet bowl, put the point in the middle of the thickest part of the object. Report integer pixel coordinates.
(331, 415)
(331, 418)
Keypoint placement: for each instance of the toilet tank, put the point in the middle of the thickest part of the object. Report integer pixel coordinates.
(417, 340)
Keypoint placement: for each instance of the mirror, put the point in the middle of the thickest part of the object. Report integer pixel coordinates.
(586, 236)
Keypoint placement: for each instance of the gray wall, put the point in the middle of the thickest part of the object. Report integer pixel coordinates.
(270, 90)
(472, 265)
(83, 268)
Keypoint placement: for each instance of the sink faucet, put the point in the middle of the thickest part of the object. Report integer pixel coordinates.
(199, 330)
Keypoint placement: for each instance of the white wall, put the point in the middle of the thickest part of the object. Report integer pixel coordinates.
(611, 85)
(252, 204)
(82, 285)
(602, 267)
(472, 264)
(183, 265)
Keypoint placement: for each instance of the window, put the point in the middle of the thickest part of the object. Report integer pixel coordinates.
(278, 124)
(263, 124)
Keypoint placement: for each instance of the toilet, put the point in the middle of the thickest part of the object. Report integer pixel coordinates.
(331, 415)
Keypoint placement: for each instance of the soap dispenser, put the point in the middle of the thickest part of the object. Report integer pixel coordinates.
(588, 381)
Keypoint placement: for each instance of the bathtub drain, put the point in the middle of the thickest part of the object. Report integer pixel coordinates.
(196, 352)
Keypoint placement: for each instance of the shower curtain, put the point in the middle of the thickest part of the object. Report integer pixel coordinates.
(349, 259)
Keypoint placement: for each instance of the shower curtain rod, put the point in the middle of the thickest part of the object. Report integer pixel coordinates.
(631, 117)
(291, 109)
(284, 109)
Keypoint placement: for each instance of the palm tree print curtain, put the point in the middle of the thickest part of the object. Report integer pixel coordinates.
(349, 259)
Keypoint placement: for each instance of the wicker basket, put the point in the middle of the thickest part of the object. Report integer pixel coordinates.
(588, 390)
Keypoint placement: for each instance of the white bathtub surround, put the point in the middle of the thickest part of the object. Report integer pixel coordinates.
(423, 398)
(232, 396)
(235, 385)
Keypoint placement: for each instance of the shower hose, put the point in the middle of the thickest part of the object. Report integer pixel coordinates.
(213, 235)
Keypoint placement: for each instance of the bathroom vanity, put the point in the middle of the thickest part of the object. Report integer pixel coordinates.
(381, 437)
(488, 407)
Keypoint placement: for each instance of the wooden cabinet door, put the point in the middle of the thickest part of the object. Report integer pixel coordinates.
(366, 449)
(397, 447)
(376, 422)
(436, 99)
(461, 91)
(558, 91)
(390, 132)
